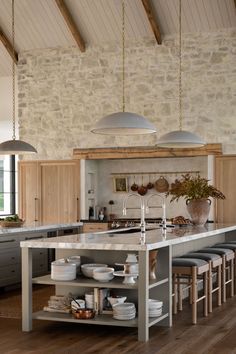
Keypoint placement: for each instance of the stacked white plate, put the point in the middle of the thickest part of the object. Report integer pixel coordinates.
(89, 300)
(124, 312)
(154, 308)
(62, 270)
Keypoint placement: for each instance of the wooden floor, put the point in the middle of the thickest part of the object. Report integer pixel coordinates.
(213, 335)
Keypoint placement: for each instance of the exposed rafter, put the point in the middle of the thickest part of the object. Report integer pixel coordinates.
(152, 20)
(7, 44)
(71, 24)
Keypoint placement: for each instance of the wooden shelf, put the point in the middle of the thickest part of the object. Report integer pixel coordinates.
(116, 283)
(98, 319)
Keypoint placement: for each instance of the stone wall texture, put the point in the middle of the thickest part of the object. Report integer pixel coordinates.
(63, 92)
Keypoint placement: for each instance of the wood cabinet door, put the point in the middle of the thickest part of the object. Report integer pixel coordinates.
(225, 177)
(60, 185)
(28, 201)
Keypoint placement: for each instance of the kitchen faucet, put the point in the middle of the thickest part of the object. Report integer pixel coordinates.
(142, 207)
(163, 206)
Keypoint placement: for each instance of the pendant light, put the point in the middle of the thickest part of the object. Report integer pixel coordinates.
(14, 146)
(123, 123)
(180, 138)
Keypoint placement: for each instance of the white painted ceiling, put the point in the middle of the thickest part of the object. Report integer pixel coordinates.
(39, 23)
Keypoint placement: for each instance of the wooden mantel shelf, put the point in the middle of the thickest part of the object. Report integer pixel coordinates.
(144, 152)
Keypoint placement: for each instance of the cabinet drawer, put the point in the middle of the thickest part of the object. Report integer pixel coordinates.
(9, 256)
(95, 227)
(8, 242)
(10, 274)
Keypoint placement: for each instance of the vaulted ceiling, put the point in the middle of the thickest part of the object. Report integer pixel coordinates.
(43, 24)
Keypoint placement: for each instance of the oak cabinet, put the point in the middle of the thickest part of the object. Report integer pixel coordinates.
(49, 191)
(225, 176)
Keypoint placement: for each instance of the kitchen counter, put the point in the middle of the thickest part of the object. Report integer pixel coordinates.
(111, 247)
(112, 240)
(34, 228)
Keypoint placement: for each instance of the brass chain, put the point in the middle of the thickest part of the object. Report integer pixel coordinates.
(13, 73)
(123, 55)
(180, 69)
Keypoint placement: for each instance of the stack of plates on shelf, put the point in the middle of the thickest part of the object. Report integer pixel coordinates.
(154, 308)
(89, 300)
(124, 312)
(77, 261)
(62, 270)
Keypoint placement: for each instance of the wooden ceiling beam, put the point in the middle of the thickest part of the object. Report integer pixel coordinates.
(151, 18)
(71, 24)
(7, 44)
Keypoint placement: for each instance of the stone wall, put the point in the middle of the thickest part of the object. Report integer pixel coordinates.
(63, 92)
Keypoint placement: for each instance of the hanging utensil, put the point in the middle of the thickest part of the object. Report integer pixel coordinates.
(134, 186)
(161, 185)
(150, 185)
(142, 190)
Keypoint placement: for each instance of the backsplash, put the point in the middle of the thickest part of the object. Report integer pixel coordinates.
(140, 171)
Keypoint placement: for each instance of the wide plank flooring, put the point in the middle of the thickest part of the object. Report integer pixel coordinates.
(213, 335)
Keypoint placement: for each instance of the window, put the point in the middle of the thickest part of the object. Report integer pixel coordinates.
(7, 185)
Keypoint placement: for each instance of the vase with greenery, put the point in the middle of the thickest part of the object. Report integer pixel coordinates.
(197, 191)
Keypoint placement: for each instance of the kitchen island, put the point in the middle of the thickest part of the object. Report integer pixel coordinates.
(112, 247)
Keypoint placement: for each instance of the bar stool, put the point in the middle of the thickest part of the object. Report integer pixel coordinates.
(227, 263)
(215, 263)
(231, 246)
(190, 268)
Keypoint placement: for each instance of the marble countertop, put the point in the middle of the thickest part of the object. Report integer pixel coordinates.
(37, 228)
(112, 240)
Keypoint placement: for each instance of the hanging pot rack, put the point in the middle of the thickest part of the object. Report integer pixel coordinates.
(166, 173)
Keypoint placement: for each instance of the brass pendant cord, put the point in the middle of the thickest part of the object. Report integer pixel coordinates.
(123, 55)
(13, 73)
(180, 68)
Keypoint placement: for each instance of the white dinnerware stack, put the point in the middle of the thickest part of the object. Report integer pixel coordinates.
(124, 312)
(154, 308)
(62, 270)
(89, 300)
(77, 304)
(77, 261)
(88, 268)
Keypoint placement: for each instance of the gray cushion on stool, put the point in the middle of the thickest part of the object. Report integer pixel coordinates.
(204, 256)
(231, 246)
(221, 251)
(188, 262)
(230, 242)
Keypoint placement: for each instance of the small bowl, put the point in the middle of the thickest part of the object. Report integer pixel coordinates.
(87, 269)
(116, 300)
(103, 274)
(84, 314)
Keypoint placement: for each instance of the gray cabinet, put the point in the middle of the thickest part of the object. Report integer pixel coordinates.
(10, 259)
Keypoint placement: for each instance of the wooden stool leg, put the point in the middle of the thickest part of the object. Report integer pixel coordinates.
(206, 288)
(175, 294)
(219, 284)
(210, 287)
(180, 295)
(232, 277)
(223, 279)
(194, 296)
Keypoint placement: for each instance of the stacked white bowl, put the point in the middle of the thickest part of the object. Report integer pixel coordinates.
(124, 312)
(154, 308)
(87, 268)
(63, 270)
(103, 274)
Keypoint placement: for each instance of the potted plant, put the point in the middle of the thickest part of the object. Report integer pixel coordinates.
(196, 191)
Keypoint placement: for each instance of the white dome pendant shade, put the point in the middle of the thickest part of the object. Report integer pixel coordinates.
(14, 146)
(123, 123)
(179, 139)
